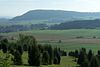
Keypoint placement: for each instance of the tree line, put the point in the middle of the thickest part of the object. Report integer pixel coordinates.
(37, 54)
(15, 28)
(86, 59)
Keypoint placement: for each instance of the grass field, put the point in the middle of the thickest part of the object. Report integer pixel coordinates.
(66, 61)
(69, 41)
(68, 37)
(59, 34)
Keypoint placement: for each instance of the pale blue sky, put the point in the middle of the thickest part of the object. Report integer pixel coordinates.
(18, 7)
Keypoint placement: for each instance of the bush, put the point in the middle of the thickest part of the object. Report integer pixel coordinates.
(6, 60)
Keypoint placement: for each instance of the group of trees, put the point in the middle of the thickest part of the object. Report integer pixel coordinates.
(37, 54)
(15, 28)
(44, 54)
(85, 59)
(77, 24)
(14, 50)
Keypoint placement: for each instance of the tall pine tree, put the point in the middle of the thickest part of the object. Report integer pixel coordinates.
(4, 44)
(34, 56)
(94, 62)
(17, 58)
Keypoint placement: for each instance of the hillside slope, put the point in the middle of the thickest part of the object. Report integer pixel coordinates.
(80, 24)
(56, 15)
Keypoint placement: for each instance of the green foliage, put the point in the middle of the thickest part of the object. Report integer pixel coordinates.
(4, 44)
(5, 61)
(94, 62)
(50, 52)
(45, 58)
(25, 47)
(55, 60)
(98, 52)
(76, 53)
(20, 49)
(90, 55)
(85, 63)
(17, 58)
(57, 57)
(41, 48)
(82, 56)
(26, 39)
(34, 56)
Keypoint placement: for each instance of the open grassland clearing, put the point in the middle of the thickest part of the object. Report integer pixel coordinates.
(66, 61)
(59, 34)
(70, 39)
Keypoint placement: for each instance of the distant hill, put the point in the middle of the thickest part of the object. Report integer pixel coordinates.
(56, 16)
(3, 19)
(51, 19)
(80, 24)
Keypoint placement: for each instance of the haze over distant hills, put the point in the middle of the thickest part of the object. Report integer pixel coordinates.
(78, 24)
(51, 19)
(56, 15)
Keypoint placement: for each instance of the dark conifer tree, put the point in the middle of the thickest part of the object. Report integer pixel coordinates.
(85, 63)
(90, 55)
(57, 57)
(45, 58)
(98, 56)
(20, 49)
(51, 54)
(4, 44)
(55, 60)
(0, 46)
(17, 58)
(94, 62)
(81, 57)
(98, 52)
(34, 55)
(76, 53)
(41, 48)
(25, 47)
(11, 50)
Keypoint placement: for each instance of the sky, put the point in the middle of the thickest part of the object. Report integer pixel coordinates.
(12, 8)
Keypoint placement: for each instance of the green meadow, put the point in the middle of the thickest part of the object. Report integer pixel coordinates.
(70, 40)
